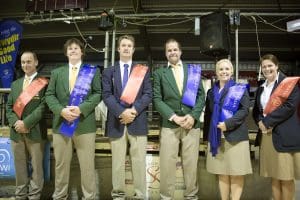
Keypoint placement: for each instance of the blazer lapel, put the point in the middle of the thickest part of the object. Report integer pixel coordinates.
(131, 68)
(185, 76)
(277, 82)
(168, 73)
(117, 79)
(19, 88)
(65, 79)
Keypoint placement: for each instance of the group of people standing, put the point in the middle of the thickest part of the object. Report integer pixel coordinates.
(74, 90)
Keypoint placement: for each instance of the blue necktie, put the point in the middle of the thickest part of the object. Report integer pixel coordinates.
(125, 76)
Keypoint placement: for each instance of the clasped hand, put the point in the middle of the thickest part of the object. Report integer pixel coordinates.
(20, 127)
(186, 122)
(222, 126)
(128, 115)
(70, 113)
(263, 128)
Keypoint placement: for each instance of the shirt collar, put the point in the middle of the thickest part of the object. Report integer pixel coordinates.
(31, 77)
(179, 63)
(77, 65)
(129, 63)
(266, 81)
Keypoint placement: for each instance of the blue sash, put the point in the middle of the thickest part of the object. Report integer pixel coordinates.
(232, 101)
(81, 89)
(229, 108)
(192, 85)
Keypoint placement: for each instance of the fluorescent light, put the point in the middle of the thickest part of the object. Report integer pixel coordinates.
(293, 25)
(67, 21)
(197, 25)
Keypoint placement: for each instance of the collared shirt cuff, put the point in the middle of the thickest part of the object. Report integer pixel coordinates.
(135, 110)
(172, 117)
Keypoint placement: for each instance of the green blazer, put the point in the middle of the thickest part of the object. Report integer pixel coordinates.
(32, 115)
(167, 99)
(58, 95)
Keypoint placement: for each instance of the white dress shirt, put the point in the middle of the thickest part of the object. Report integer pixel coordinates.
(122, 68)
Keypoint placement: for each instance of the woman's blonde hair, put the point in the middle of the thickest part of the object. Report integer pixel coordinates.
(218, 64)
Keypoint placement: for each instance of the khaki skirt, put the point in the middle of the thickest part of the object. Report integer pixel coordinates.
(282, 166)
(232, 159)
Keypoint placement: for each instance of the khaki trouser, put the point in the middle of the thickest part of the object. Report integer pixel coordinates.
(63, 150)
(138, 163)
(25, 150)
(169, 147)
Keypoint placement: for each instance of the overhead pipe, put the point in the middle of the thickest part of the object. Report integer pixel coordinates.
(167, 14)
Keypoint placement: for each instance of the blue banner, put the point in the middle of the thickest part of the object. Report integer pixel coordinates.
(10, 35)
(7, 166)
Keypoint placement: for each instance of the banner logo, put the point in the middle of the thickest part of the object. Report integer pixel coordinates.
(7, 168)
(4, 160)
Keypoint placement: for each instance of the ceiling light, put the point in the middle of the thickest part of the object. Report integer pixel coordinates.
(293, 25)
(197, 25)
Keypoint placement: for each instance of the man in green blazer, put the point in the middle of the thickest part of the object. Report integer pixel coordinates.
(180, 123)
(57, 97)
(28, 130)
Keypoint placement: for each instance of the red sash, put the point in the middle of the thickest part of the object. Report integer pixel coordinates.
(32, 90)
(281, 93)
(134, 83)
